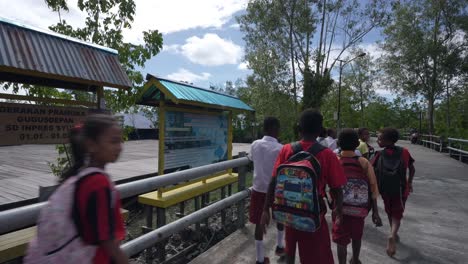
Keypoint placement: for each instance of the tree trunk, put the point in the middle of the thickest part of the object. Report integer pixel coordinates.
(319, 58)
(291, 46)
(430, 114)
(362, 104)
(448, 105)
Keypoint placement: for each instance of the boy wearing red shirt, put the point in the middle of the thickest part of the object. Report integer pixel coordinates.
(314, 247)
(394, 201)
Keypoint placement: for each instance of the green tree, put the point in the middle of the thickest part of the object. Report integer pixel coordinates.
(283, 31)
(343, 24)
(421, 43)
(361, 77)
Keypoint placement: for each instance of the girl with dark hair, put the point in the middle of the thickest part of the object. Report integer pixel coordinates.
(81, 222)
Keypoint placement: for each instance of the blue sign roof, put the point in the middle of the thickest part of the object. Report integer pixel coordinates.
(184, 93)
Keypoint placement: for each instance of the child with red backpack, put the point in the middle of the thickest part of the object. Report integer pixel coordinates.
(391, 166)
(359, 194)
(81, 223)
(297, 190)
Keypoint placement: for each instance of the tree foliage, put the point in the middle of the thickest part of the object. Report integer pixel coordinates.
(424, 48)
(282, 46)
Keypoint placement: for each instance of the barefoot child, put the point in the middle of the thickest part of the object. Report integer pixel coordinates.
(81, 222)
(263, 153)
(391, 166)
(360, 192)
(304, 187)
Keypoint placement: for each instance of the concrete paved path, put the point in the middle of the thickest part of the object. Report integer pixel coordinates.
(434, 229)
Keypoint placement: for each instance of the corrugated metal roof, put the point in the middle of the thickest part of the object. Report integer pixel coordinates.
(189, 94)
(29, 52)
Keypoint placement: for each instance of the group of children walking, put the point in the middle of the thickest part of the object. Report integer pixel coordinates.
(81, 222)
(290, 185)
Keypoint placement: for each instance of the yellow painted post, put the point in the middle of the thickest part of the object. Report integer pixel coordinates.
(162, 125)
(229, 143)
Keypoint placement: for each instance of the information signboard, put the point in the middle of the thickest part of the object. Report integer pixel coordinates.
(36, 124)
(194, 139)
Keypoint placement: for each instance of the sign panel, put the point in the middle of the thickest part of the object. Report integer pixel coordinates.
(193, 140)
(36, 124)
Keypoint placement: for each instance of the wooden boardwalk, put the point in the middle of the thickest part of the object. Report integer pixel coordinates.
(24, 168)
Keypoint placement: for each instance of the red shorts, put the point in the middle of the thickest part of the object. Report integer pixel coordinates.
(257, 201)
(313, 247)
(394, 206)
(351, 228)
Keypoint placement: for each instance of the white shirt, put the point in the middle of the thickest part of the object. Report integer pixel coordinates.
(357, 152)
(263, 153)
(322, 141)
(331, 143)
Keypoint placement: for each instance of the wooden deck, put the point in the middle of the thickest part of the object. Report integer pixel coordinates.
(24, 168)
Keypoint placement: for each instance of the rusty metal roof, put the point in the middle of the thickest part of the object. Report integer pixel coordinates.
(183, 93)
(34, 56)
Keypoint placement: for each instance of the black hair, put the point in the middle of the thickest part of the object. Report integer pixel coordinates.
(270, 124)
(348, 139)
(92, 128)
(361, 131)
(310, 122)
(331, 132)
(323, 132)
(390, 134)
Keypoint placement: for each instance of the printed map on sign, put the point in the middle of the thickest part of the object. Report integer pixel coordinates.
(193, 140)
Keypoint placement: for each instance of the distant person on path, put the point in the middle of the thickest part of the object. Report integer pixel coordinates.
(364, 147)
(263, 153)
(359, 195)
(321, 139)
(81, 222)
(314, 246)
(331, 139)
(391, 166)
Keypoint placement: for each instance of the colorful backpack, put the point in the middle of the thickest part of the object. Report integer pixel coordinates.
(297, 202)
(58, 240)
(356, 192)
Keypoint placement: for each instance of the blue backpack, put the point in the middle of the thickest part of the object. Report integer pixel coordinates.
(297, 202)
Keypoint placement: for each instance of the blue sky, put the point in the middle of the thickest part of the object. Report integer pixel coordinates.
(202, 41)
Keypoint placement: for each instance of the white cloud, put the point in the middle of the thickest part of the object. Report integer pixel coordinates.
(188, 76)
(243, 66)
(178, 15)
(235, 26)
(35, 13)
(165, 16)
(175, 48)
(211, 50)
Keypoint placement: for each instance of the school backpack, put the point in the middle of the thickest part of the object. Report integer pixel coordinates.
(390, 171)
(58, 239)
(297, 202)
(356, 191)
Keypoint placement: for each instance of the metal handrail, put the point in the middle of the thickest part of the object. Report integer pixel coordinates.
(148, 240)
(25, 216)
(458, 140)
(461, 152)
(431, 143)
